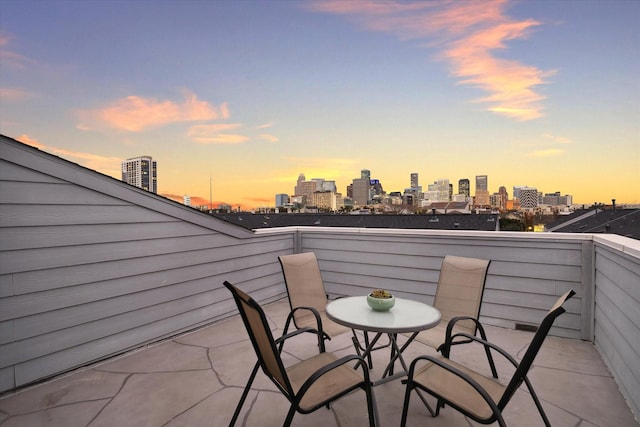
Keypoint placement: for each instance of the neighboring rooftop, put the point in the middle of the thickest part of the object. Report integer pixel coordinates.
(620, 221)
(488, 222)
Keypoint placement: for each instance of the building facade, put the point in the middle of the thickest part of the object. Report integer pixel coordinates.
(482, 190)
(464, 187)
(141, 172)
(528, 197)
(282, 199)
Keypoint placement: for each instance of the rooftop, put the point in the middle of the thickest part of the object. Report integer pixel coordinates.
(621, 221)
(485, 222)
(196, 379)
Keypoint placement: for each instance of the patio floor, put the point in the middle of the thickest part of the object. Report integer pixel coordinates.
(196, 380)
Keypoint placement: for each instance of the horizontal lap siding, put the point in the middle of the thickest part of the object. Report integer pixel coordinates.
(85, 274)
(525, 277)
(617, 314)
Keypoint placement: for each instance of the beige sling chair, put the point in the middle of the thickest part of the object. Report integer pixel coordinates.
(308, 298)
(459, 297)
(309, 384)
(479, 397)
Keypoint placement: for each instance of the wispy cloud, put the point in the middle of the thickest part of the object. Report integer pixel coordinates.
(135, 113)
(15, 94)
(10, 58)
(104, 164)
(265, 126)
(466, 34)
(550, 152)
(268, 137)
(216, 134)
(557, 139)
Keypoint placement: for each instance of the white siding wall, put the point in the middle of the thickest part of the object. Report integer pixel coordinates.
(525, 278)
(91, 267)
(617, 314)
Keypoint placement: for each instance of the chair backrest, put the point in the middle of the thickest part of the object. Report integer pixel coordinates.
(532, 351)
(460, 289)
(264, 345)
(304, 283)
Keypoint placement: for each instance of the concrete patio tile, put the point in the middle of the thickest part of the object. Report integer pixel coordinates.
(70, 415)
(215, 411)
(84, 385)
(223, 333)
(572, 355)
(154, 399)
(592, 397)
(164, 357)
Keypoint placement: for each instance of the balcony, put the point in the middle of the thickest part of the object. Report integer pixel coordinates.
(196, 378)
(112, 309)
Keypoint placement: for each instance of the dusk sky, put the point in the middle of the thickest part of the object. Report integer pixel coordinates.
(249, 94)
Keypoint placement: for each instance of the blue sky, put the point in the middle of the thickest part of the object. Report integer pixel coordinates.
(252, 93)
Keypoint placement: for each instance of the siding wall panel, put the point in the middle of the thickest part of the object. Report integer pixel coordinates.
(617, 318)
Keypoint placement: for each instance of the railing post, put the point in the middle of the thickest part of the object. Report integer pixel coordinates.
(297, 242)
(588, 291)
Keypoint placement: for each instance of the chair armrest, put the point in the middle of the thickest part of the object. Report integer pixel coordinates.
(448, 342)
(321, 334)
(488, 344)
(333, 365)
(455, 371)
(279, 342)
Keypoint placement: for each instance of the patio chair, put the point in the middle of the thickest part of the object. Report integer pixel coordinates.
(459, 297)
(479, 397)
(308, 298)
(309, 384)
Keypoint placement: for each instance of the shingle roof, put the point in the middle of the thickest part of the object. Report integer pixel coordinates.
(624, 222)
(433, 222)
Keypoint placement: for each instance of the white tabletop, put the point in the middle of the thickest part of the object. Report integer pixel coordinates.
(405, 316)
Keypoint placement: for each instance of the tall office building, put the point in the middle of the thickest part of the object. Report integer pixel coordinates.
(305, 188)
(361, 188)
(141, 172)
(482, 190)
(414, 180)
(282, 199)
(464, 187)
(528, 198)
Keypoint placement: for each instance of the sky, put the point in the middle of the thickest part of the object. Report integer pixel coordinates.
(234, 99)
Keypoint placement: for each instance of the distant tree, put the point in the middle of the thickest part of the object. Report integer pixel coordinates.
(512, 224)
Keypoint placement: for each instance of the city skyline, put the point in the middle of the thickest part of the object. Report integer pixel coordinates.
(236, 99)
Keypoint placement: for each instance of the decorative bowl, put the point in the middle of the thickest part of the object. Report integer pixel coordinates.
(381, 304)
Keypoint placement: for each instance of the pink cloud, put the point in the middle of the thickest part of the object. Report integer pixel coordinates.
(216, 134)
(104, 164)
(11, 58)
(135, 114)
(466, 35)
(15, 94)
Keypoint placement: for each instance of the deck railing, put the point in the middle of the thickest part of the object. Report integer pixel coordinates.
(46, 331)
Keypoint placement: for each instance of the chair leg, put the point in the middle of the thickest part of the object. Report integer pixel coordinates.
(487, 350)
(534, 396)
(244, 394)
(405, 405)
(289, 419)
(370, 406)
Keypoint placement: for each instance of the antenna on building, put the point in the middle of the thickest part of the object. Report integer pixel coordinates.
(210, 193)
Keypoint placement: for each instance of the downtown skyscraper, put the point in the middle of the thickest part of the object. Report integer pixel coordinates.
(141, 172)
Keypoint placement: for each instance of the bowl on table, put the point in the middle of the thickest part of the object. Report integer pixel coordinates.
(380, 300)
